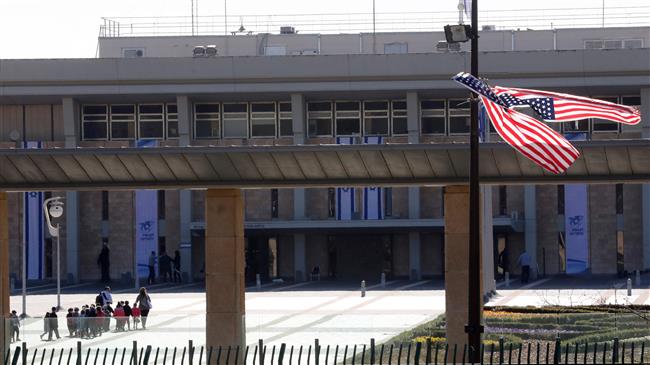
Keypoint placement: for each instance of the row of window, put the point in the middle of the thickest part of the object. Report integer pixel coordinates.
(274, 119)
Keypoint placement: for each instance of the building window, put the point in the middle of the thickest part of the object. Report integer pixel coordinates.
(206, 120)
(432, 116)
(503, 200)
(631, 100)
(602, 125)
(619, 198)
(347, 118)
(161, 204)
(172, 121)
(560, 199)
(399, 117)
(388, 202)
(104, 205)
(576, 126)
(459, 120)
(263, 116)
(319, 116)
(375, 118)
(122, 121)
(132, 52)
(286, 119)
(235, 120)
(151, 123)
(396, 48)
(331, 202)
(94, 121)
(274, 203)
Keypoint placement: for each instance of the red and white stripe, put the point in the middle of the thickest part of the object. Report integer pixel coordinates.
(532, 138)
(571, 107)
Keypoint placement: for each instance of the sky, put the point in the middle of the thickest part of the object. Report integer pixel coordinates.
(69, 28)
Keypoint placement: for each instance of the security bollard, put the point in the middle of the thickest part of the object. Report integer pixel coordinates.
(363, 288)
(258, 281)
(638, 278)
(629, 287)
(383, 280)
(507, 279)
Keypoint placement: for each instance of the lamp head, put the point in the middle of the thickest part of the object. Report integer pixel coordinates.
(458, 33)
(56, 209)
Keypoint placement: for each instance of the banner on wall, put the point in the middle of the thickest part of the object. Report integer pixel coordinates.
(373, 204)
(146, 222)
(344, 196)
(576, 222)
(34, 229)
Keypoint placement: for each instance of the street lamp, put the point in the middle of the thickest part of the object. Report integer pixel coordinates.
(53, 208)
(455, 34)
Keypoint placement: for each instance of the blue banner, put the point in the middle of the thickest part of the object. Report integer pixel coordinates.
(146, 222)
(344, 196)
(373, 199)
(33, 229)
(576, 221)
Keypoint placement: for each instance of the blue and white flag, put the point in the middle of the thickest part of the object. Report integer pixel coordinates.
(576, 221)
(344, 196)
(34, 229)
(373, 199)
(146, 221)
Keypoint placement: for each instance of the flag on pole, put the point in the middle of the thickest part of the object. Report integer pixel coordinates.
(530, 136)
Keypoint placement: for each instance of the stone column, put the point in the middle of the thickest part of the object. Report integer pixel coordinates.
(413, 123)
(71, 123)
(456, 262)
(299, 128)
(530, 227)
(224, 268)
(4, 274)
(184, 107)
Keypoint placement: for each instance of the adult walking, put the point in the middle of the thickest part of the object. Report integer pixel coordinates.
(177, 266)
(104, 261)
(143, 302)
(54, 325)
(151, 265)
(524, 261)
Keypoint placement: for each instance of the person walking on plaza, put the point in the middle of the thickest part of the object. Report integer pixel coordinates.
(152, 273)
(107, 298)
(15, 326)
(143, 302)
(54, 325)
(165, 267)
(177, 266)
(104, 262)
(524, 261)
(128, 313)
(46, 325)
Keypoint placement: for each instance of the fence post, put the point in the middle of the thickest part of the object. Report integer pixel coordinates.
(134, 353)
(629, 287)
(363, 288)
(316, 351)
(372, 350)
(147, 353)
(281, 354)
(615, 347)
(418, 350)
(557, 354)
(507, 276)
(24, 351)
(258, 281)
(638, 278)
(501, 346)
(260, 349)
(190, 352)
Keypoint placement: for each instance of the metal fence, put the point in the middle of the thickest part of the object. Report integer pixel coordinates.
(498, 352)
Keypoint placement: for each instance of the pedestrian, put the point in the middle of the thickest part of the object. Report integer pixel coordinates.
(107, 298)
(15, 326)
(46, 325)
(165, 267)
(151, 265)
(143, 302)
(119, 315)
(54, 325)
(104, 262)
(524, 261)
(128, 313)
(70, 321)
(177, 266)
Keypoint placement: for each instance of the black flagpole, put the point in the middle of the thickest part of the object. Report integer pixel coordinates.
(474, 327)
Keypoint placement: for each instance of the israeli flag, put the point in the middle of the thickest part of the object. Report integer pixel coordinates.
(34, 229)
(344, 196)
(373, 203)
(146, 221)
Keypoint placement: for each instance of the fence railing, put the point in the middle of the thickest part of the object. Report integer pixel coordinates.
(416, 353)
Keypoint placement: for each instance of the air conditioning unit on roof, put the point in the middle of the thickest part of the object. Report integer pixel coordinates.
(287, 30)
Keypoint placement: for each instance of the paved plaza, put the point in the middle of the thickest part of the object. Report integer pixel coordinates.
(296, 314)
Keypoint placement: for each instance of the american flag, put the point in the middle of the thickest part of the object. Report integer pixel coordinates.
(531, 137)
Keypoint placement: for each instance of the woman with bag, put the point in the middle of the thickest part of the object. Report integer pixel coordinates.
(143, 301)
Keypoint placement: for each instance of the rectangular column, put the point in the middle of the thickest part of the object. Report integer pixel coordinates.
(413, 126)
(224, 268)
(299, 257)
(415, 270)
(530, 227)
(487, 241)
(645, 192)
(184, 108)
(456, 262)
(71, 124)
(299, 128)
(4, 274)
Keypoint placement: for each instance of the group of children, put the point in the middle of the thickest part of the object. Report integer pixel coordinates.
(93, 320)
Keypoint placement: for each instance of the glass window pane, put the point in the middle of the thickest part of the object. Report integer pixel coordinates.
(286, 127)
(151, 130)
(207, 129)
(375, 105)
(631, 100)
(123, 109)
(95, 130)
(376, 126)
(122, 130)
(172, 129)
(95, 109)
(458, 104)
(347, 127)
(347, 105)
(285, 107)
(263, 107)
(235, 108)
(263, 128)
(206, 108)
(172, 109)
(400, 126)
(150, 109)
(319, 106)
(320, 127)
(432, 104)
(433, 125)
(576, 126)
(234, 128)
(459, 125)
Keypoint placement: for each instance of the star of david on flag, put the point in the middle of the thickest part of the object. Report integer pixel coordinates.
(531, 137)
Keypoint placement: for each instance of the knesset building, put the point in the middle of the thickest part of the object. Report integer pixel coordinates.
(281, 199)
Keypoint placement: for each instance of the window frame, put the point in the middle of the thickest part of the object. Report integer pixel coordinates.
(246, 122)
(317, 117)
(161, 120)
(251, 118)
(282, 116)
(421, 112)
(168, 119)
(393, 116)
(105, 121)
(132, 121)
(218, 120)
(359, 118)
(387, 116)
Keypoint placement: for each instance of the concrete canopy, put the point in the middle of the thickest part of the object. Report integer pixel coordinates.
(307, 165)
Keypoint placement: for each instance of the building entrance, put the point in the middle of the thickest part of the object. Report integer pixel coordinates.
(360, 257)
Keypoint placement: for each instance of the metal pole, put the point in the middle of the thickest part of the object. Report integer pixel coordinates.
(58, 267)
(225, 17)
(474, 328)
(374, 37)
(24, 279)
